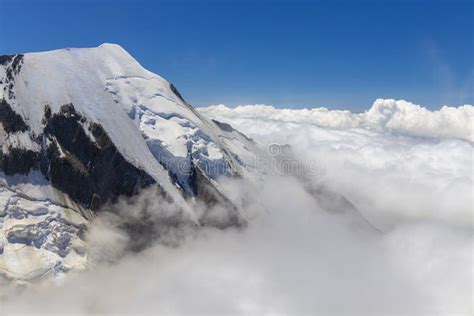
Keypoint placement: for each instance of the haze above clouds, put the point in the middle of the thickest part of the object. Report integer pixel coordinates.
(408, 170)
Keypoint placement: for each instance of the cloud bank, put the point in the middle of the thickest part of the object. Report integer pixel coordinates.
(388, 174)
(294, 258)
(397, 116)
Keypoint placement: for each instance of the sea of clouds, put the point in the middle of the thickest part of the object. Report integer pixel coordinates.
(395, 116)
(395, 161)
(407, 170)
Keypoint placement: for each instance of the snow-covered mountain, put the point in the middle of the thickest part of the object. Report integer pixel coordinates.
(81, 128)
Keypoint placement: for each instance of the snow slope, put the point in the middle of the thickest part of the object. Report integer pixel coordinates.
(73, 120)
(145, 119)
(81, 128)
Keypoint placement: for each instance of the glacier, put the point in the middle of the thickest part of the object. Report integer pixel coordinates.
(81, 128)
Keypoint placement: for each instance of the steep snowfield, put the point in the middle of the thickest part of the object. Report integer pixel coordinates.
(148, 122)
(59, 111)
(76, 76)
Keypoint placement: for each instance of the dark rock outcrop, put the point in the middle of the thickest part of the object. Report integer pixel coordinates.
(228, 128)
(91, 172)
(18, 161)
(11, 121)
(5, 59)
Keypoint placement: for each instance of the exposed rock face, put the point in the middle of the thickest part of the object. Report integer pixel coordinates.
(12, 65)
(11, 121)
(18, 161)
(90, 172)
(228, 128)
(4, 59)
(86, 169)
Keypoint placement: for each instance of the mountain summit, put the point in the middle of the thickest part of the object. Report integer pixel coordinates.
(81, 128)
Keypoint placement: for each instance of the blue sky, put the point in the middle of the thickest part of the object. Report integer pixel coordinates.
(338, 54)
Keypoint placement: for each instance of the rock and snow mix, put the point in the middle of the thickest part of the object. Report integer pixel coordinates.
(80, 128)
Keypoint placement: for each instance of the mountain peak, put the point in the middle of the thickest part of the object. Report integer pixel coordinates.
(113, 98)
(111, 46)
(81, 128)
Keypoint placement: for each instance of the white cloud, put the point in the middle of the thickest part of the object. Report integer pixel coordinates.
(385, 115)
(294, 258)
(389, 176)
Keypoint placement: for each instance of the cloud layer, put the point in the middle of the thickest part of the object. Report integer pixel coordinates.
(397, 116)
(388, 174)
(294, 258)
